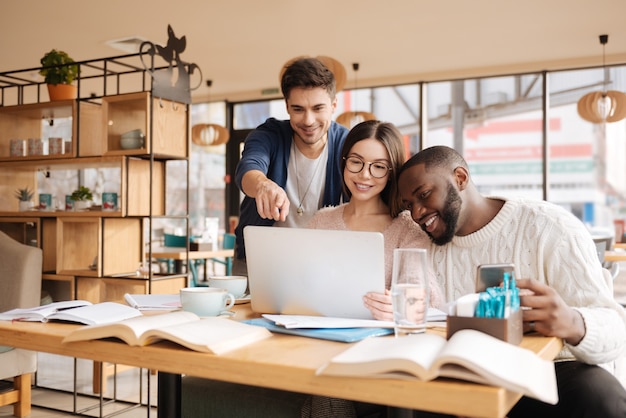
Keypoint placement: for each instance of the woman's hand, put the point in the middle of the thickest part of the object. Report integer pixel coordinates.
(379, 305)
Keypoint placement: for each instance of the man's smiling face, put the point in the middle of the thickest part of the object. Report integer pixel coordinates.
(433, 201)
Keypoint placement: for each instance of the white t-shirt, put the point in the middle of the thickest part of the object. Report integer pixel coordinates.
(305, 187)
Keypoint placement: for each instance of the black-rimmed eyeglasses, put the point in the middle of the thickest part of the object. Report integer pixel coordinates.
(377, 169)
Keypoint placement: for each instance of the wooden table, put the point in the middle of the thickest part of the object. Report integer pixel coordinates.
(621, 245)
(282, 362)
(179, 253)
(615, 255)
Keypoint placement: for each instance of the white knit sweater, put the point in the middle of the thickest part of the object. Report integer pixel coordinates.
(549, 244)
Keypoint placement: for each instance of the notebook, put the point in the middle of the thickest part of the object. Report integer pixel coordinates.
(343, 335)
(300, 271)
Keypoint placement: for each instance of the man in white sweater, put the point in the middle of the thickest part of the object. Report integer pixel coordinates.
(567, 292)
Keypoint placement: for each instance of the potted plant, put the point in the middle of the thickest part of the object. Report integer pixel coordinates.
(24, 196)
(82, 198)
(59, 74)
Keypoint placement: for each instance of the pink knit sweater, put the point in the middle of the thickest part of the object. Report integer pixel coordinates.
(403, 232)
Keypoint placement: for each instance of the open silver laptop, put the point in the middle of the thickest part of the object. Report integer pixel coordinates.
(300, 271)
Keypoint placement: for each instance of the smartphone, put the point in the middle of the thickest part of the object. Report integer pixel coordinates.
(490, 275)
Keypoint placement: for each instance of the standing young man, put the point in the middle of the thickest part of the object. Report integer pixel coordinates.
(566, 293)
(289, 169)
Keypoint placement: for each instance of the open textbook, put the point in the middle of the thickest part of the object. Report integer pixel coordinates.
(80, 311)
(468, 355)
(153, 302)
(211, 335)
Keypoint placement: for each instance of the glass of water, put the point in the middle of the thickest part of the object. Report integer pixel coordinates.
(409, 290)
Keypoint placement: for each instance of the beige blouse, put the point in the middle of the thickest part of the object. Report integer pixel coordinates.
(403, 232)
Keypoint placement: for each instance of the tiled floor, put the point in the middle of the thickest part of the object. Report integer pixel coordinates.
(55, 390)
(57, 371)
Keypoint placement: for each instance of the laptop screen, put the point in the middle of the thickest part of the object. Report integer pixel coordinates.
(299, 271)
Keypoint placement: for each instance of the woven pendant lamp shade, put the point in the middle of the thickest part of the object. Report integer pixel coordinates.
(205, 134)
(353, 117)
(349, 119)
(598, 107)
(603, 106)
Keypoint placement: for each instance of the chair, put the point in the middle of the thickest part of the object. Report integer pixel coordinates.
(228, 243)
(603, 244)
(180, 241)
(20, 287)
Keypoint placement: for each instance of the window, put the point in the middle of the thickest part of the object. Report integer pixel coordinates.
(497, 123)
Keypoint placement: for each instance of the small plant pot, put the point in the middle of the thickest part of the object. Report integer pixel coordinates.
(81, 205)
(61, 92)
(25, 205)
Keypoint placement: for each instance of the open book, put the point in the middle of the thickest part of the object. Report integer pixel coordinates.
(153, 302)
(80, 311)
(210, 335)
(468, 355)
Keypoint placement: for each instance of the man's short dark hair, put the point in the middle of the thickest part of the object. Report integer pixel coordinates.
(307, 73)
(437, 156)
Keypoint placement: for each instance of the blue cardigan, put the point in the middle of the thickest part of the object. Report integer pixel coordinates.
(267, 149)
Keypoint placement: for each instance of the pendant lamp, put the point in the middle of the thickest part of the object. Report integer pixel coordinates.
(351, 118)
(605, 105)
(205, 134)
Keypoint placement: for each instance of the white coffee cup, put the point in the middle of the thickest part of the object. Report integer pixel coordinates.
(206, 301)
(234, 284)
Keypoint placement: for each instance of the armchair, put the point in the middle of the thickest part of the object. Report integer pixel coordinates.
(20, 287)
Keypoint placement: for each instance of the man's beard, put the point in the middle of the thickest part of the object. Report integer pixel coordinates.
(449, 216)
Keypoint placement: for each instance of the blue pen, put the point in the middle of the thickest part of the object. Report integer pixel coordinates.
(514, 294)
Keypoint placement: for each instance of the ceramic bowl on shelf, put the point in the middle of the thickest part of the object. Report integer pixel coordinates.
(135, 133)
(131, 143)
(132, 139)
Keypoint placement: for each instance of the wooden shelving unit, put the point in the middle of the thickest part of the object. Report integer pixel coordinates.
(95, 253)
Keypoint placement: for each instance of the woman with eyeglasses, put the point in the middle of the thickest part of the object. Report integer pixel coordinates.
(372, 154)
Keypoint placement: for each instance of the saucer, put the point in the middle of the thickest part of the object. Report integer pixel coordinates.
(224, 314)
(242, 300)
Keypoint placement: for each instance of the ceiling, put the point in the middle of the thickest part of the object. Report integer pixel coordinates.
(241, 45)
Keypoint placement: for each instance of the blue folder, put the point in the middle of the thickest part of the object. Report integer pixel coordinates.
(344, 335)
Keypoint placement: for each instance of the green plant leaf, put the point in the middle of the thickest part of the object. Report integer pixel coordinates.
(57, 68)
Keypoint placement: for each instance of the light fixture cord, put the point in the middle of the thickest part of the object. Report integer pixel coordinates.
(604, 39)
(355, 67)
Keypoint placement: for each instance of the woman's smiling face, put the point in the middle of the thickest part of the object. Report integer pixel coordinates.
(373, 154)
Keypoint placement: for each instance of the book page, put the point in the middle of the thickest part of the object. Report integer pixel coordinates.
(129, 330)
(153, 302)
(39, 313)
(315, 321)
(382, 356)
(99, 313)
(212, 335)
(346, 335)
(306, 321)
(499, 363)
